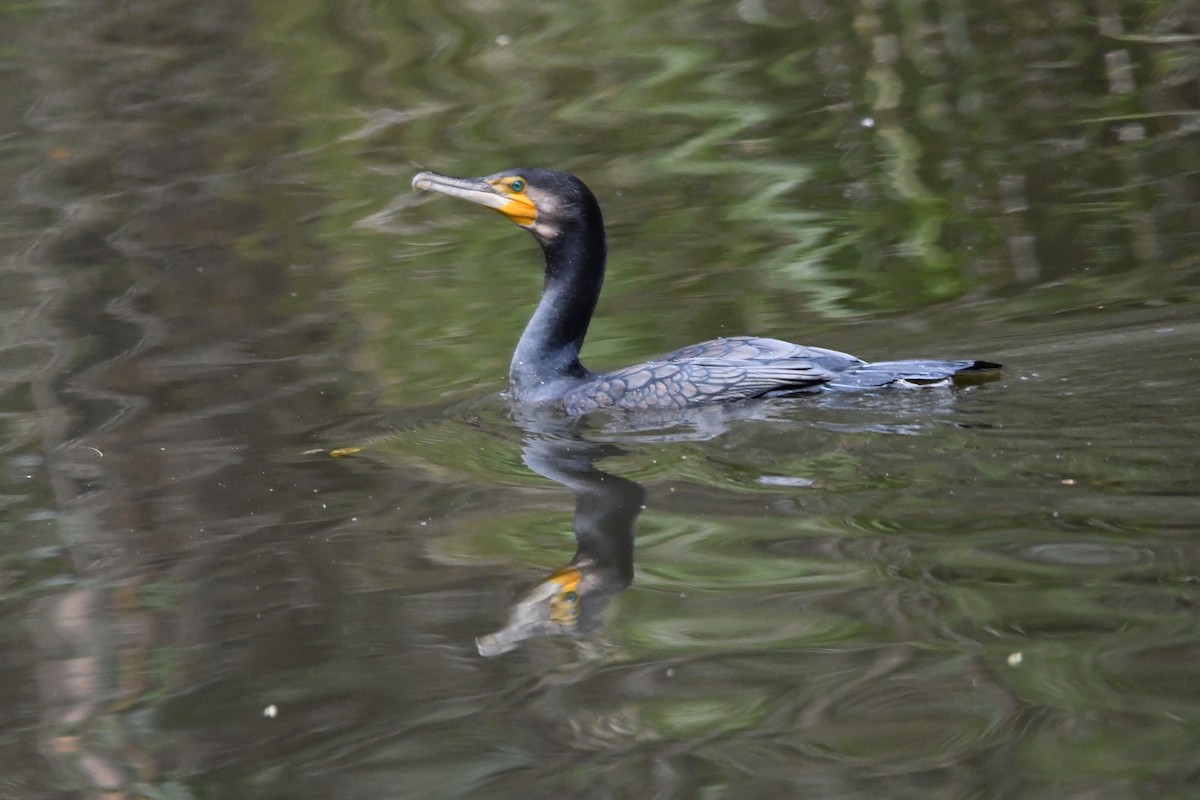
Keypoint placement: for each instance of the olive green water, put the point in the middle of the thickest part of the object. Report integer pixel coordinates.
(214, 273)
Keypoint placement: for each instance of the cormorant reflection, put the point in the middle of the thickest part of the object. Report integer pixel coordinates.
(570, 600)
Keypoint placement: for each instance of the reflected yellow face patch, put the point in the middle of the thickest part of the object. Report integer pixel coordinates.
(564, 606)
(518, 206)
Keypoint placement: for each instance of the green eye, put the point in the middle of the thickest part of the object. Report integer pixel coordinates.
(516, 185)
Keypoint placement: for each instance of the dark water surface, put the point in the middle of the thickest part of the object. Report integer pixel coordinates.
(214, 273)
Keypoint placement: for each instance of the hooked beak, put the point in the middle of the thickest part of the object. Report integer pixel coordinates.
(489, 193)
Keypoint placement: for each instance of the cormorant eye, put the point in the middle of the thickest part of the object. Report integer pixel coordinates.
(516, 185)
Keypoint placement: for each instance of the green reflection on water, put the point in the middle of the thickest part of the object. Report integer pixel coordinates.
(753, 162)
(766, 168)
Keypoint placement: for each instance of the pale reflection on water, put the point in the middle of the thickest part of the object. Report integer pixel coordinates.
(210, 282)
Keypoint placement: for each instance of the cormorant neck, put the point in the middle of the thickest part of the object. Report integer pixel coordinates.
(547, 356)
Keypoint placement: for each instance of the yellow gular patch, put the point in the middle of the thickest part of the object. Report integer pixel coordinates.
(519, 208)
(564, 606)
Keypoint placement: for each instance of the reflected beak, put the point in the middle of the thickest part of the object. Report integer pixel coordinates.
(549, 608)
(482, 192)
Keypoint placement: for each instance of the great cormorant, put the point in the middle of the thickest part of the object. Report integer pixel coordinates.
(564, 217)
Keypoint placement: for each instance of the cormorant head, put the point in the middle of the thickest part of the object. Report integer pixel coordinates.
(543, 201)
(548, 609)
